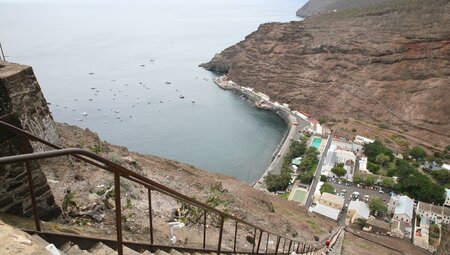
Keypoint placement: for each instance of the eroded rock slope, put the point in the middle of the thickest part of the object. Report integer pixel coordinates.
(385, 64)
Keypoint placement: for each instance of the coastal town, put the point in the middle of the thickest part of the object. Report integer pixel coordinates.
(353, 180)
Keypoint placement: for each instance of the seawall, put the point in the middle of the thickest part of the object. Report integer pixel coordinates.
(253, 97)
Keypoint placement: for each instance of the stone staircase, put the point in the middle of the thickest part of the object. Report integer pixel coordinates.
(99, 248)
(14, 242)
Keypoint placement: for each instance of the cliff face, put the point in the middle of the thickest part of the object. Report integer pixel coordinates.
(314, 7)
(386, 64)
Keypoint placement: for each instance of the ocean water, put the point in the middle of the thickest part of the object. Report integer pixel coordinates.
(104, 65)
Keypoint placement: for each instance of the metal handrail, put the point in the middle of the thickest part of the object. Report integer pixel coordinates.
(120, 171)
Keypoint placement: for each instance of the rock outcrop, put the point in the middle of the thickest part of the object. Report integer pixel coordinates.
(22, 104)
(383, 64)
(314, 7)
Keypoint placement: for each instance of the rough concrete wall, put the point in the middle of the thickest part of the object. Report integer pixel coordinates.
(23, 105)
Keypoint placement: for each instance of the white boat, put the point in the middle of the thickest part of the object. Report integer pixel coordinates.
(193, 101)
(181, 96)
(84, 114)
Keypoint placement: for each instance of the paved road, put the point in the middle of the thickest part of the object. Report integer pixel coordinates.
(275, 165)
(318, 171)
(362, 192)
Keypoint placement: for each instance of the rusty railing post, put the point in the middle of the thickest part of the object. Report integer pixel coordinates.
(150, 215)
(259, 241)
(219, 246)
(284, 244)
(277, 245)
(204, 230)
(37, 223)
(267, 243)
(235, 236)
(254, 242)
(304, 248)
(298, 246)
(290, 245)
(118, 213)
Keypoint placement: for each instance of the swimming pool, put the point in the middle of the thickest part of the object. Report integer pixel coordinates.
(316, 142)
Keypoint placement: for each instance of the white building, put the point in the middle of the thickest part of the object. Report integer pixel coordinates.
(363, 140)
(357, 210)
(403, 209)
(436, 214)
(315, 127)
(363, 164)
(348, 146)
(332, 200)
(329, 205)
(337, 156)
(326, 211)
(299, 114)
(263, 96)
(247, 89)
(330, 160)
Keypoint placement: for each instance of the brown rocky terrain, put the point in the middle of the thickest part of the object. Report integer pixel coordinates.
(238, 198)
(384, 67)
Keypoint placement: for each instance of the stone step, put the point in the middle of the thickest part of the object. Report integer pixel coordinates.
(41, 251)
(72, 249)
(128, 251)
(39, 240)
(160, 252)
(174, 252)
(100, 248)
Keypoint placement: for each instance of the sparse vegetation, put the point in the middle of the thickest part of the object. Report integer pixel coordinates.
(376, 205)
(97, 148)
(322, 120)
(327, 188)
(383, 125)
(69, 202)
(281, 181)
(339, 170)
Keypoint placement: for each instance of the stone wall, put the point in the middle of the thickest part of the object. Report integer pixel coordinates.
(23, 105)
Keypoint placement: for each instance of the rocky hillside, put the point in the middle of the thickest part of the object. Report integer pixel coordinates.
(89, 184)
(313, 7)
(384, 66)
